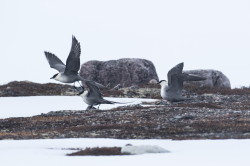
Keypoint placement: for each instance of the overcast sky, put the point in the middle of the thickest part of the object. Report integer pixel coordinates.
(208, 34)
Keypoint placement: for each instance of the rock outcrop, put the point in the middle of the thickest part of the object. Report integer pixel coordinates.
(215, 79)
(27, 88)
(126, 72)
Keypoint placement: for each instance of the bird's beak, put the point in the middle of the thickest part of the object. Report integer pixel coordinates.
(51, 78)
(80, 92)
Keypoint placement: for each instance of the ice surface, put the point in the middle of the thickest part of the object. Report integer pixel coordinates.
(35, 105)
(188, 153)
(142, 149)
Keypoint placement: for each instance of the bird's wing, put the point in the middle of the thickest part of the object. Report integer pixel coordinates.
(55, 62)
(176, 82)
(174, 73)
(93, 89)
(191, 77)
(73, 60)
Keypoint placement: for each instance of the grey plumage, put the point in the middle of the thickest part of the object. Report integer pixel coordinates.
(55, 62)
(172, 90)
(93, 96)
(67, 73)
(73, 60)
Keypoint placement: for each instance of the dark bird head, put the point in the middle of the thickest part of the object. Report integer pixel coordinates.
(161, 81)
(80, 91)
(54, 76)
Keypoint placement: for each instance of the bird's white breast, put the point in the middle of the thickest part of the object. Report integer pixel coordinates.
(163, 92)
(60, 77)
(84, 96)
(164, 86)
(64, 78)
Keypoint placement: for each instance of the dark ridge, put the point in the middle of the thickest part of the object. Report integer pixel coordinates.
(25, 88)
(103, 151)
(222, 91)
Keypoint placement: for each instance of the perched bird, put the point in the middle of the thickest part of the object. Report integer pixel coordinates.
(93, 96)
(171, 90)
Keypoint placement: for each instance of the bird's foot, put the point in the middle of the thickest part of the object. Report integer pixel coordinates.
(162, 102)
(90, 108)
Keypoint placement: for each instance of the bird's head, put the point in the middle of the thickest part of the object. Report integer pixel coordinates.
(81, 91)
(54, 76)
(162, 82)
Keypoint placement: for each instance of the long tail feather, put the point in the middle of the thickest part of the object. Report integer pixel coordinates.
(114, 102)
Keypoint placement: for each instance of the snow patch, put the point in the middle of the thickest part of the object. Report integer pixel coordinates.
(142, 149)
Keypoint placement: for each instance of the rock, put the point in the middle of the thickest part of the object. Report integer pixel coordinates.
(116, 87)
(215, 79)
(127, 71)
(153, 81)
(27, 88)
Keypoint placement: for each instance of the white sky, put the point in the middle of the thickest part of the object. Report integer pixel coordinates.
(209, 34)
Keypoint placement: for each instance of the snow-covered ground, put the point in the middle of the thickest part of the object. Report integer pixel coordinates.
(35, 105)
(193, 153)
(53, 151)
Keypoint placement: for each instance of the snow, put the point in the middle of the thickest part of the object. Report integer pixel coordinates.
(43, 152)
(193, 153)
(142, 149)
(35, 105)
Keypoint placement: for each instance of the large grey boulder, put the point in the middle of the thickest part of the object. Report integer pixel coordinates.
(126, 72)
(215, 79)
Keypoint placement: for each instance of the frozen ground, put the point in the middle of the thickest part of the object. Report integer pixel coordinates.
(53, 151)
(35, 105)
(193, 153)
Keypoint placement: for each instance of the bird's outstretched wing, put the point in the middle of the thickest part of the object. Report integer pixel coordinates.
(174, 73)
(93, 89)
(73, 60)
(55, 62)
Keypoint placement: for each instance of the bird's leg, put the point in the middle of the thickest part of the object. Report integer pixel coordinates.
(98, 106)
(89, 107)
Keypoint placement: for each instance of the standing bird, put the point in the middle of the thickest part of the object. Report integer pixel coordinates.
(172, 90)
(67, 73)
(93, 96)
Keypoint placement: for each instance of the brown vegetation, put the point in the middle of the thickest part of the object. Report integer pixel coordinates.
(97, 151)
(209, 114)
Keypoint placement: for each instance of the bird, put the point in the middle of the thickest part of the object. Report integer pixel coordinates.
(171, 90)
(93, 96)
(68, 73)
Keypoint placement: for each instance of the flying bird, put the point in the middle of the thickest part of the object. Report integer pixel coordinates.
(68, 73)
(171, 90)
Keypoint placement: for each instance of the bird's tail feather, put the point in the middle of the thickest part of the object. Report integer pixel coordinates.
(96, 83)
(114, 102)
